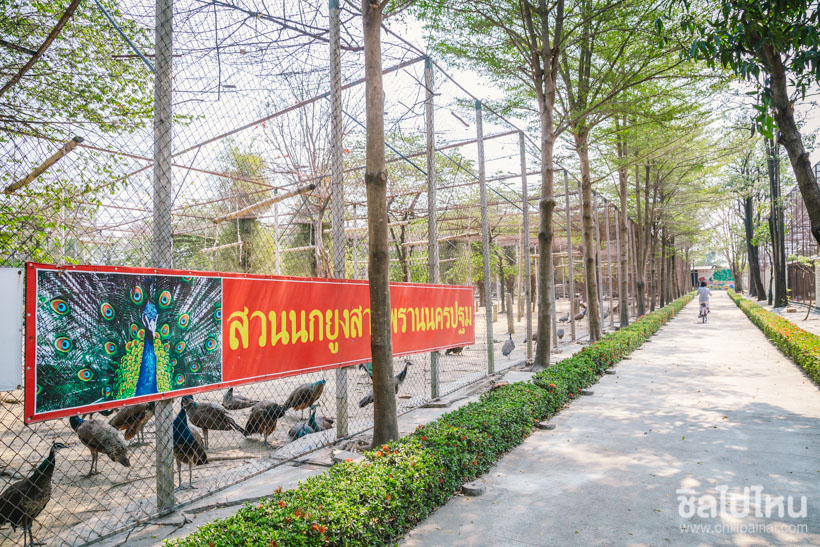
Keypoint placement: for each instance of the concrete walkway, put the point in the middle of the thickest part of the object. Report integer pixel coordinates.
(702, 408)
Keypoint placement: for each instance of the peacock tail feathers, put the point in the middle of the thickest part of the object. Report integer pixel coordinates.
(94, 335)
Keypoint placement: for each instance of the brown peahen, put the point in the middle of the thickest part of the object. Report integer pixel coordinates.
(100, 437)
(188, 446)
(263, 417)
(132, 419)
(398, 379)
(234, 401)
(209, 416)
(23, 500)
(305, 395)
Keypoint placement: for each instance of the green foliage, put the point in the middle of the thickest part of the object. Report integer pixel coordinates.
(400, 484)
(802, 347)
(748, 36)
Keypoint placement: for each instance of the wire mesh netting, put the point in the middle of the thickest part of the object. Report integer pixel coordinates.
(246, 186)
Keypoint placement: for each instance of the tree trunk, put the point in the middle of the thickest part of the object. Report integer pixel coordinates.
(663, 272)
(623, 288)
(590, 270)
(640, 245)
(791, 139)
(755, 280)
(385, 421)
(776, 227)
(653, 265)
(546, 206)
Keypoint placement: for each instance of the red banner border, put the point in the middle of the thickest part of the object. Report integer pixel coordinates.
(31, 342)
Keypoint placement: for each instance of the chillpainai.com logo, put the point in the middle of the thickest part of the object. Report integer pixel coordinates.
(751, 502)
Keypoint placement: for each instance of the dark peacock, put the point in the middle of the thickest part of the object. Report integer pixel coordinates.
(305, 395)
(263, 417)
(312, 425)
(367, 368)
(22, 501)
(188, 446)
(99, 436)
(112, 336)
(398, 379)
(132, 419)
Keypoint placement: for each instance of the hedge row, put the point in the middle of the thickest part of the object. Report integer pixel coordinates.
(803, 347)
(400, 484)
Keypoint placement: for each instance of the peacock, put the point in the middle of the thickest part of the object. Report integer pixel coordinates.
(398, 379)
(508, 347)
(210, 416)
(22, 501)
(263, 417)
(367, 368)
(132, 419)
(234, 401)
(104, 336)
(310, 426)
(99, 436)
(189, 447)
(305, 395)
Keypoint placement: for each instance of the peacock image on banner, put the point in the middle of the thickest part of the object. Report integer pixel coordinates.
(108, 336)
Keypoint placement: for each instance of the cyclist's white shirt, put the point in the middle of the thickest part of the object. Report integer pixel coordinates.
(703, 294)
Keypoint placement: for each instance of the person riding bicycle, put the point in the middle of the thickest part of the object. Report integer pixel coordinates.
(703, 295)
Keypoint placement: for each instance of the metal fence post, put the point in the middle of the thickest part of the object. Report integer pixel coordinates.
(571, 267)
(337, 195)
(432, 222)
(277, 258)
(162, 246)
(485, 238)
(525, 250)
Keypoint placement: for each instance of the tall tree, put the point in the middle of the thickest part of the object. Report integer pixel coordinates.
(385, 420)
(519, 43)
(776, 47)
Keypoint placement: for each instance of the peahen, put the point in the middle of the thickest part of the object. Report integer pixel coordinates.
(310, 426)
(263, 418)
(132, 419)
(507, 348)
(234, 401)
(305, 395)
(22, 501)
(560, 333)
(99, 436)
(188, 446)
(454, 351)
(398, 379)
(103, 337)
(209, 416)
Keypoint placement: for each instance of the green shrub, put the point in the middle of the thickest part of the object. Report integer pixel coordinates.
(801, 346)
(400, 484)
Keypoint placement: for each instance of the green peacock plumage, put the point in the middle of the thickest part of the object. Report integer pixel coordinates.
(94, 336)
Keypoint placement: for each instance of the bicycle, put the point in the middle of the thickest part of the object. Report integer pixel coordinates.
(704, 311)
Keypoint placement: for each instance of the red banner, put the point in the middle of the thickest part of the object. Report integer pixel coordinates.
(289, 326)
(103, 337)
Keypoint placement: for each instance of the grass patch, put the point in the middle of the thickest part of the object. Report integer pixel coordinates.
(401, 483)
(801, 346)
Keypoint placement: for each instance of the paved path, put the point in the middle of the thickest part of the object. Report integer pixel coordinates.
(700, 407)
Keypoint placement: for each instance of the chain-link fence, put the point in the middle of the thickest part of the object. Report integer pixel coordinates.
(224, 136)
